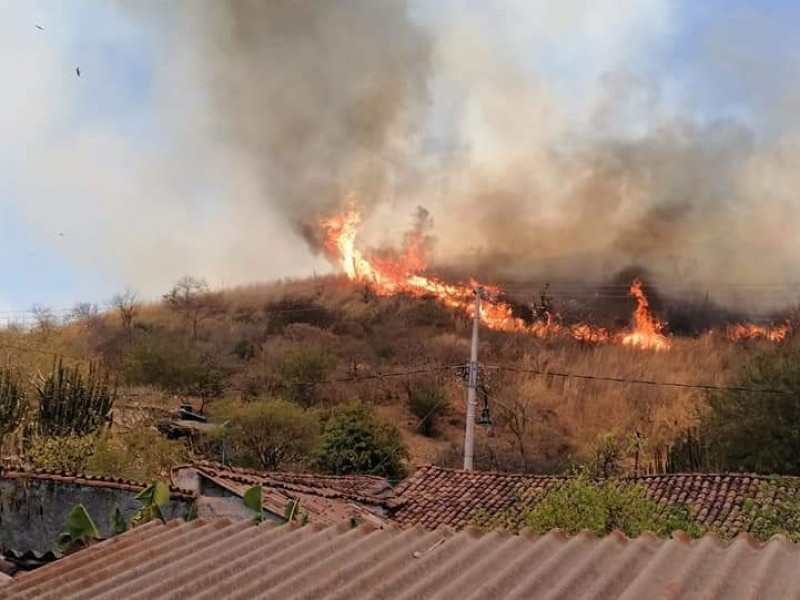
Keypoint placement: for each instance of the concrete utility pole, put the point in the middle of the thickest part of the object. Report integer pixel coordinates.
(472, 384)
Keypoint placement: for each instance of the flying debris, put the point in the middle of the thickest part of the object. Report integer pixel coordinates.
(78, 71)
(40, 28)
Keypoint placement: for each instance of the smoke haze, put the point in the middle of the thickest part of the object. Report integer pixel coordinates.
(547, 142)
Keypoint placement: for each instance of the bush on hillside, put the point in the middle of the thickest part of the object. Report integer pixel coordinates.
(139, 455)
(175, 367)
(354, 440)
(426, 401)
(268, 434)
(300, 372)
(68, 453)
(758, 431)
(604, 506)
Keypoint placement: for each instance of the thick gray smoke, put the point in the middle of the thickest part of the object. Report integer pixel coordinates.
(327, 99)
(322, 99)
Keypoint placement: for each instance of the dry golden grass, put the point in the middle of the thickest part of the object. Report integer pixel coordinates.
(370, 335)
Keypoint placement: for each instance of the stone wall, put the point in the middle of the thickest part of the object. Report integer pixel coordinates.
(33, 511)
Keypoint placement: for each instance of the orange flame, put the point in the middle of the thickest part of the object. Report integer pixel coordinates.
(402, 275)
(749, 331)
(646, 332)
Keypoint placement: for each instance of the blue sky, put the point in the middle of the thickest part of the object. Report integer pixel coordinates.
(98, 159)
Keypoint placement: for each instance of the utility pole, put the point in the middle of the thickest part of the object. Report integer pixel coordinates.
(472, 384)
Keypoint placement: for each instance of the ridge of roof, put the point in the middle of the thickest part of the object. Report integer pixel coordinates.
(101, 481)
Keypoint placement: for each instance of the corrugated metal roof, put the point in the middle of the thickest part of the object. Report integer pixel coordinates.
(435, 496)
(223, 559)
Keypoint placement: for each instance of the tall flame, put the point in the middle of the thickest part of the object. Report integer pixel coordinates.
(646, 328)
(402, 275)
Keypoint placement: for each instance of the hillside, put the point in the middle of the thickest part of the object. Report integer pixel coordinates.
(325, 341)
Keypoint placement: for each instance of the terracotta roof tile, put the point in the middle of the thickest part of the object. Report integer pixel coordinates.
(435, 496)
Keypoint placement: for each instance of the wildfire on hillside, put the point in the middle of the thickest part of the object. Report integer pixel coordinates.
(647, 329)
(749, 331)
(405, 275)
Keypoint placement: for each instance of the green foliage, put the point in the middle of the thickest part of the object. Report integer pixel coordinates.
(605, 455)
(758, 431)
(12, 403)
(118, 523)
(139, 455)
(603, 506)
(268, 434)
(174, 366)
(71, 403)
(300, 372)
(80, 529)
(426, 401)
(779, 516)
(355, 441)
(191, 513)
(252, 499)
(69, 453)
(153, 498)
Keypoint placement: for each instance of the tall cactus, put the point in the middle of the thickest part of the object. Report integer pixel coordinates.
(12, 403)
(73, 404)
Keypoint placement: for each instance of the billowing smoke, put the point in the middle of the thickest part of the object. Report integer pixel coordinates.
(545, 139)
(321, 99)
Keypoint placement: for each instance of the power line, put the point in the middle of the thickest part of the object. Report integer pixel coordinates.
(627, 381)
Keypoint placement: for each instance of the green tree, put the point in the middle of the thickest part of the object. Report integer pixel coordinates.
(74, 403)
(426, 401)
(602, 506)
(758, 431)
(302, 370)
(268, 434)
(355, 441)
(176, 367)
(138, 455)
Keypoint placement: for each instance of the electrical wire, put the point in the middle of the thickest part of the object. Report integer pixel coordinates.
(647, 382)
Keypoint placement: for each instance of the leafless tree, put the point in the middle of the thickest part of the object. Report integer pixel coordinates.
(127, 306)
(44, 317)
(192, 299)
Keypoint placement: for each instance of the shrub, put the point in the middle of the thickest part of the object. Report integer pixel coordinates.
(355, 441)
(268, 434)
(780, 516)
(301, 370)
(758, 431)
(68, 453)
(175, 367)
(426, 401)
(603, 506)
(139, 455)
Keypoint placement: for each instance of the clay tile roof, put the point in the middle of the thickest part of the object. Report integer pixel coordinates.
(101, 481)
(368, 489)
(435, 496)
(225, 559)
(324, 499)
